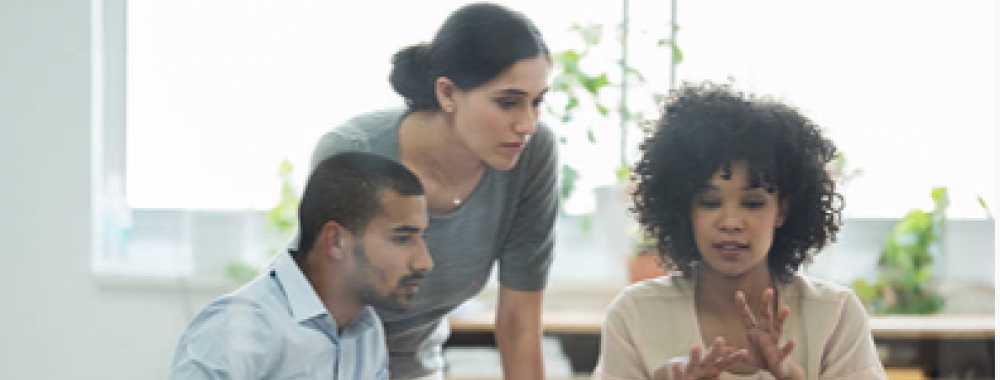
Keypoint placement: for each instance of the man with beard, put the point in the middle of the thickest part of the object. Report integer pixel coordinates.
(310, 315)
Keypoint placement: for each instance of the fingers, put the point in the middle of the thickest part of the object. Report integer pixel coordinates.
(676, 370)
(733, 357)
(789, 346)
(773, 355)
(748, 318)
(717, 351)
(768, 321)
(695, 359)
(709, 364)
(768, 300)
(764, 335)
(782, 316)
(728, 357)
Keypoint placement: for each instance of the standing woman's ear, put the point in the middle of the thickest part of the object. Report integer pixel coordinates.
(445, 91)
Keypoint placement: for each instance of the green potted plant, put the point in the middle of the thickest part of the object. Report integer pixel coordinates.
(580, 92)
(905, 281)
(281, 221)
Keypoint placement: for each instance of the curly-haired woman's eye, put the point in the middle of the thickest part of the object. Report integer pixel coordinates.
(709, 203)
(754, 204)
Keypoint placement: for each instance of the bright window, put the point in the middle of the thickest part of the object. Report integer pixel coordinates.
(219, 92)
(907, 89)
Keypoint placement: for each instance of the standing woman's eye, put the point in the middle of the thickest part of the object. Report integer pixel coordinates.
(507, 103)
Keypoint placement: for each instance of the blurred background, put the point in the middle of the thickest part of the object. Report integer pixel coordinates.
(152, 155)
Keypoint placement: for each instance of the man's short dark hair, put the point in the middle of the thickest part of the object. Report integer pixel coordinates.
(345, 188)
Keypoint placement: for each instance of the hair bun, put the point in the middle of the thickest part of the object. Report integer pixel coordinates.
(410, 77)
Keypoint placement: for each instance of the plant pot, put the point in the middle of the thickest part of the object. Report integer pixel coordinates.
(644, 265)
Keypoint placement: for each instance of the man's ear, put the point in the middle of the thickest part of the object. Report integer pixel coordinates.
(335, 240)
(446, 91)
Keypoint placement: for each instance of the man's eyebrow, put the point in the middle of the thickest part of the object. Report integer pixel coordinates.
(407, 230)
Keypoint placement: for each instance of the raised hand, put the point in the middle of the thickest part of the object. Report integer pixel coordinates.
(764, 338)
(718, 359)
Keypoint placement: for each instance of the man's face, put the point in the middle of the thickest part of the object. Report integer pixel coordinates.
(391, 259)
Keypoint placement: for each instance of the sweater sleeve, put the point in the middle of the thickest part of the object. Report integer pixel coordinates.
(620, 358)
(850, 352)
(527, 249)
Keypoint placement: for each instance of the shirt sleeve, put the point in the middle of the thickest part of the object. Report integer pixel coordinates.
(527, 250)
(620, 358)
(850, 353)
(226, 341)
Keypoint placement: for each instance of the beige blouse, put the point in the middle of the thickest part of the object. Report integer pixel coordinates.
(654, 321)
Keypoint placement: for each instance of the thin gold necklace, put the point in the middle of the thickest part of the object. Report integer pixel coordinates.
(456, 199)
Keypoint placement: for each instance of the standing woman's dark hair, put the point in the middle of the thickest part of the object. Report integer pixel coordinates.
(473, 46)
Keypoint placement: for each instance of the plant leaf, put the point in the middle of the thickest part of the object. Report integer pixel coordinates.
(677, 54)
(982, 202)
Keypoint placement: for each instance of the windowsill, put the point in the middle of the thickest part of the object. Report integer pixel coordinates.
(112, 281)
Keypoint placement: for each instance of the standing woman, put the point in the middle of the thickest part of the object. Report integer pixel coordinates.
(470, 131)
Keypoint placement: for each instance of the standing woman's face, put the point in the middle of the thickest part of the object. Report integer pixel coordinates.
(496, 119)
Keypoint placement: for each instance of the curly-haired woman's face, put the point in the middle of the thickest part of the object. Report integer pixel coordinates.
(734, 221)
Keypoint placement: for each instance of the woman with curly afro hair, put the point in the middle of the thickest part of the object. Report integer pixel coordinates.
(735, 191)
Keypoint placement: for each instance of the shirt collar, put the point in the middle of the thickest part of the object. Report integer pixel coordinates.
(305, 304)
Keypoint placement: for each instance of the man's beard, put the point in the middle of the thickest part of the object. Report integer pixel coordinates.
(396, 300)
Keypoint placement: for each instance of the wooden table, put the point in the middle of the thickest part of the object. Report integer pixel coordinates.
(939, 345)
(916, 327)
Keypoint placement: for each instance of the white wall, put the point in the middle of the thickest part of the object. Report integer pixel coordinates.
(55, 321)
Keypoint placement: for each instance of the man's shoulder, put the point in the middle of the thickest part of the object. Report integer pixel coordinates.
(239, 334)
(252, 306)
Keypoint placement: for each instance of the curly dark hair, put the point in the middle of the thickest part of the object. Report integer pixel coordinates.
(706, 128)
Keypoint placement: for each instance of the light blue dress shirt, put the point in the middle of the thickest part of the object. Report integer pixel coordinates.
(276, 327)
